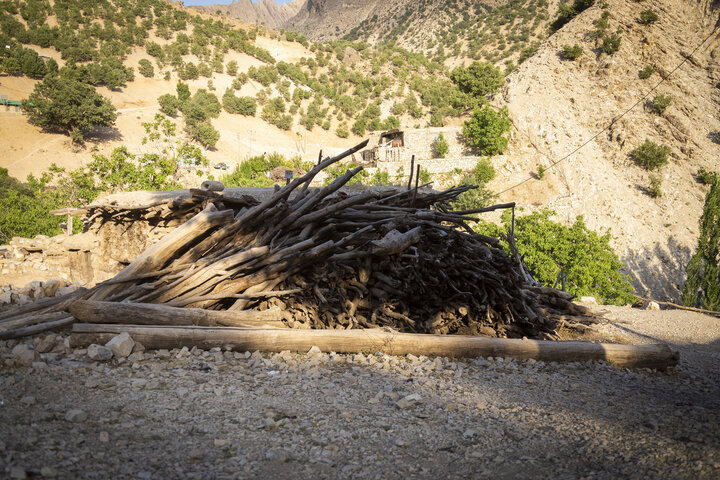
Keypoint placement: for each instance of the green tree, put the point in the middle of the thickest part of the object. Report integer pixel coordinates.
(441, 146)
(486, 128)
(702, 288)
(611, 43)
(648, 16)
(69, 106)
(480, 196)
(586, 258)
(169, 104)
(479, 79)
(145, 68)
(661, 103)
(651, 155)
(572, 53)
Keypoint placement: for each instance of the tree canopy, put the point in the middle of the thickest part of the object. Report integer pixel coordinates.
(68, 105)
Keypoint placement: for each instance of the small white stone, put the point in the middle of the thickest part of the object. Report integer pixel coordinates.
(48, 472)
(221, 442)
(652, 306)
(121, 345)
(18, 473)
(28, 400)
(588, 300)
(408, 401)
(24, 354)
(104, 437)
(76, 415)
(314, 350)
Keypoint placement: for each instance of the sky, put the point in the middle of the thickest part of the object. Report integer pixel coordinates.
(216, 2)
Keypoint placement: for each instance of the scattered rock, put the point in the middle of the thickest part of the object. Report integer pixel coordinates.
(48, 472)
(28, 400)
(18, 473)
(588, 300)
(99, 353)
(121, 345)
(24, 354)
(104, 437)
(408, 401)
(76, 415)
(46, 344)
(652, 306)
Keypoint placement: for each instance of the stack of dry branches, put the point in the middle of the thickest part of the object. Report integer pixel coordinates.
(325, 258)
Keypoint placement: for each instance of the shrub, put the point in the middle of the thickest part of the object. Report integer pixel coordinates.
(586, 258)
(479, 197)
(68, 105)
(240, 105)
(338, 170)
(661, 103)
(572, 53)
(380, 177)
(611, 43)
(478, 79)
(253, 171)
(169, 104)
(441, 146)
(651, 155)
(654, 188)
(342, 131)
(704, 177)
(145, 68)
(486, 128)
(540, 172)
(648, 16)
(646, 72)
(702, 289)
(204, 133)
(231, 68)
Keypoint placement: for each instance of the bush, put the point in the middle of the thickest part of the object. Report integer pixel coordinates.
(654, 188)
(204, 133)
(704, 177)
(231, 68)
(541, 172)
(485, 129)
(646, 72)
(240, 105)
(441, 146)
(145, 68)
(611, 43)
(661, 103)
(342, 131)
(253, 172)
(572, 53)
(648, 16)
(702, 289)
(69, 106)
(479, 197)
(338, 170)
(586, 258)
(380, 177)
(478, 79)
(169, 104)
(651, 155)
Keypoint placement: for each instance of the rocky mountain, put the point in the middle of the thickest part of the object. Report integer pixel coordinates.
(557, 105)
(264, 11)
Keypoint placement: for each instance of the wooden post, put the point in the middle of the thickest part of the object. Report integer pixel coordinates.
(658, 356)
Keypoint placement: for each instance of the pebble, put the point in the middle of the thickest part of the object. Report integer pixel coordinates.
(18, 473)
(104, 437)
(99, 353)
(408, 401)
(76, 415)
(24, 354)
(121, 345)
(28, 400)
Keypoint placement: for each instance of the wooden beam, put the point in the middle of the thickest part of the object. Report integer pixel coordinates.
(658, 356)
(154, 314)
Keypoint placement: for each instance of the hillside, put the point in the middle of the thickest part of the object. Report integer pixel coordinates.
(265, 12)
(556, 105)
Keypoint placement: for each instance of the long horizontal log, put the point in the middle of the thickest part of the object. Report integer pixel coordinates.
(37, 328)
(30, 319)
(658, 356)
(153, 314)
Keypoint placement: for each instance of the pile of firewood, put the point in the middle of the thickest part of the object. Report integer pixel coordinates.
(318, 258)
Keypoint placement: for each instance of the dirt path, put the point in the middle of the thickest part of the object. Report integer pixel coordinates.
(196, 414)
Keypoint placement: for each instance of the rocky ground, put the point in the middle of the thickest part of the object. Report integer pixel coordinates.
(216, 414)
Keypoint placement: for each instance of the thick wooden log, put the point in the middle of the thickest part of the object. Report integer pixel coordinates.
(153, 314)
(30, 319)
(658, 356)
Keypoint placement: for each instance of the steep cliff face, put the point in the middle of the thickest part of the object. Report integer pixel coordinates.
(264, 11)
(557, 105)
(330, 19)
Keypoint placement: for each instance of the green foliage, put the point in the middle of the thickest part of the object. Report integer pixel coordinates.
(661, 103)
(705, 177)
(651, 155)
(567, 12)
(231, 68)
(646, 72)
(381, 178)
(654, 189)
(266, 74)
(204, 133)
(254, 172)
(145, 68)
(540, 172)
(486, 128)
(481, 196)
(240, 105)
(611, 43)
(424, 176)
(586, 258)
(441, 147)
(702, 289)
(169, 104)
(202, 106)
(648, 16)
(183, 91)
(274, 113)
(338, 170)
(68, 105)
(479, 79)
(572, 53)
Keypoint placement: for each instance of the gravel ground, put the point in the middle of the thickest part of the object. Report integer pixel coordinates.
(198, 414)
